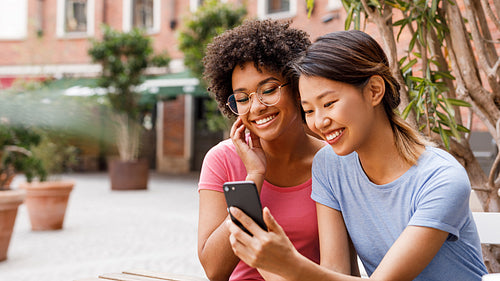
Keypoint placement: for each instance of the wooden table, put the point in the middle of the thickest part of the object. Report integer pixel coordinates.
(143, 275)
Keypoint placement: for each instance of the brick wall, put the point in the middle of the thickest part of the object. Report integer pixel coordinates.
(173, 127)
(171, 156)
(49, 49)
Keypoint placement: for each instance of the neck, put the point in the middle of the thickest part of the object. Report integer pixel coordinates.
(288, 146)
(379, 156)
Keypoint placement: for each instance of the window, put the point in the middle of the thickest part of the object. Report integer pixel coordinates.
(334, 4)
(13, 19)
(144, 14)
(75, 18)
(194, 4)
(276, 8)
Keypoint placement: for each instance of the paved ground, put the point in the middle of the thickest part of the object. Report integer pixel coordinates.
(111, 231)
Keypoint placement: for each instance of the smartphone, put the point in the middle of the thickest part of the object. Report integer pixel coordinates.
(244, 195)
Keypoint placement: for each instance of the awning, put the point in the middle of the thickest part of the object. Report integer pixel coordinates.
(163, 86)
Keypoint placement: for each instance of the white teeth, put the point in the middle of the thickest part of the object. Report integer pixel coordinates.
(264, 120)
(334, 135)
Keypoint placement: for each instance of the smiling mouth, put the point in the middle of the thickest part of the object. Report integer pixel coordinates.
(265, 120)
(333, 135)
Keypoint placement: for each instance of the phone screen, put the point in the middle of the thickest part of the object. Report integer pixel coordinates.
(244, 195)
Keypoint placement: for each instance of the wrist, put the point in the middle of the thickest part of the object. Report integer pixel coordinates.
(257, 178)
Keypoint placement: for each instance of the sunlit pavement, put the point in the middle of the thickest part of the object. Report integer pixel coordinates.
(111, 231)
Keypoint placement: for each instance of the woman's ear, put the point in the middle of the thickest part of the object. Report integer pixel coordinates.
(375, 89)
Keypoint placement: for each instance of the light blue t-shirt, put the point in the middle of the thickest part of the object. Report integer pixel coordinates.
(434, 193)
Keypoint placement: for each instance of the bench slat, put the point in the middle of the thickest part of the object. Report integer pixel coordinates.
(126, 277)
(488, 227)
(164, 276)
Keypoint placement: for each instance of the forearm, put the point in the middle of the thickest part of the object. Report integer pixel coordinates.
(216, 256)
(301, 268)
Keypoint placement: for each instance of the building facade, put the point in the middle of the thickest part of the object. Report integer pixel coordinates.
(41, 39)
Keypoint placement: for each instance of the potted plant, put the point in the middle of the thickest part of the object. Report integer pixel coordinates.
(124, 56)
(15, 157)
(46, 194)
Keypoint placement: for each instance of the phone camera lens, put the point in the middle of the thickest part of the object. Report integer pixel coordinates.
(226, 188)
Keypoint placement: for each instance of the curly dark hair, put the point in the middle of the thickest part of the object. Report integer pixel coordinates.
(269, 44)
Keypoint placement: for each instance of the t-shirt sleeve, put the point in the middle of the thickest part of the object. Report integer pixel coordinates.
(444, 202)
(322, 189)
(213, 170)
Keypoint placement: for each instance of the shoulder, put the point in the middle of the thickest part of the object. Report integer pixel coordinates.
(435, 161)
(224, 149)
(439, 169)
(326, 157)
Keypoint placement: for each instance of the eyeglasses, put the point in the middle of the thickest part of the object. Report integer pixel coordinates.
(268, 94)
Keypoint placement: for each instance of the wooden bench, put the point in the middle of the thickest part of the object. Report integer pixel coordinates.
(488, 227)
(143, 275)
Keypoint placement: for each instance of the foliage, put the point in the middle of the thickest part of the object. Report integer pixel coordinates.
(124, 56)
(210, 20)
(55, 153)
(16, 143)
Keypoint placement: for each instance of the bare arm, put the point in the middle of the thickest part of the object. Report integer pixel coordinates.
(333, 240)
(272, 251)
(214, 250)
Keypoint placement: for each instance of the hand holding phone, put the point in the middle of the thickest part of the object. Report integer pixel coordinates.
(244, 195)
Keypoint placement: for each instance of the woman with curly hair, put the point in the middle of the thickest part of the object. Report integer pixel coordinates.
(247, 69)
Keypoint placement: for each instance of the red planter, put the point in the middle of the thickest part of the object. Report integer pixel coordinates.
(47, 203)
(129, 175)
(9, 201)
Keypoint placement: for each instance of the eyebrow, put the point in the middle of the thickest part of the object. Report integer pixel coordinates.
(259, 84)
(320, 96)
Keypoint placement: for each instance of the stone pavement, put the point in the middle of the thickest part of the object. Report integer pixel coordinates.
(111, 231)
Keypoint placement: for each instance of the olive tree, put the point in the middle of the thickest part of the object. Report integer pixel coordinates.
(450, 66)
(210, 20)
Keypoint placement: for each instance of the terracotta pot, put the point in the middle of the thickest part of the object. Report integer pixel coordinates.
(46, 202)
(129, 175)
(9, 201)
(8, 179)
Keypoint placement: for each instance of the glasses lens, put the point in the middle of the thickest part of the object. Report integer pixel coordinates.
(238, 103)
(269, 93)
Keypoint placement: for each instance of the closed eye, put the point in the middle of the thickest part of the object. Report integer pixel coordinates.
(307, 112)
(328, 104)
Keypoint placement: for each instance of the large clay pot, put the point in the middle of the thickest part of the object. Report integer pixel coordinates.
(47, 202)
(9, 201)
(129, 175)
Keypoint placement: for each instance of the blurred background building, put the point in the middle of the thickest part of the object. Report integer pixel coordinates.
(48, 40)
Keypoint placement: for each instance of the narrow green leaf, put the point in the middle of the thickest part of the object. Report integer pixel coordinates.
(407, 109)
(457, 102)
(444, 137)
(411, 63)
(462, 128)
(348, 19)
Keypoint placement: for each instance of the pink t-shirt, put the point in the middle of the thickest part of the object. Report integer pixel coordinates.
(292, 207)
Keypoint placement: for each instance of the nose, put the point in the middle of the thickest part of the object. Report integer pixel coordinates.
(255, 104)
(322, 120)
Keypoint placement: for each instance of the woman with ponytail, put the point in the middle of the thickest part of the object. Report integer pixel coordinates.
(403, 202)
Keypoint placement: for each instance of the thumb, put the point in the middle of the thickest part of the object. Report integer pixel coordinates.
(272, 225)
